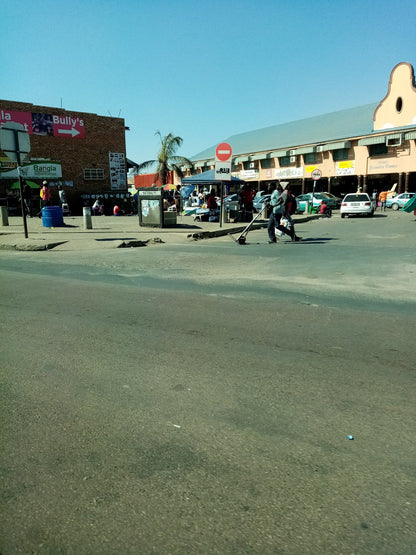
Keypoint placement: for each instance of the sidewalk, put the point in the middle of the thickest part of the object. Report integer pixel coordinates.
(110, 232)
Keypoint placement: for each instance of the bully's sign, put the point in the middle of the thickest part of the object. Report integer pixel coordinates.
(46, 124)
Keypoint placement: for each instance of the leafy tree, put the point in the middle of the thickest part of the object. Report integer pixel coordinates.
(167, 160)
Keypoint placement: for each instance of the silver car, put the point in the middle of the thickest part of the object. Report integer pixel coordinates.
(357, 203)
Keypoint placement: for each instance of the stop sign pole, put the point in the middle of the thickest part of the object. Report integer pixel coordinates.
(316, 176)
(15, 142)
(222, 170)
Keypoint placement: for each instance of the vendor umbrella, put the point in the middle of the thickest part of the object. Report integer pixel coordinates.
(31, 184)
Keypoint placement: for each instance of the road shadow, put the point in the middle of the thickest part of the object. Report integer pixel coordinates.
(184, 226)
(116, 239)
(320, 240)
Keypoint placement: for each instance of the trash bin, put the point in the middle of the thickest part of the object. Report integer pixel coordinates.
(52, 216)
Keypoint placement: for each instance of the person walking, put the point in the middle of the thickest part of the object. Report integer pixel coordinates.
(27, 199)
(276, 202)
(382, 197)
(374, 198)
(289, 202)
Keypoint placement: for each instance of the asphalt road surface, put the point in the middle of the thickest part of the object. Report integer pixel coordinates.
(198, 397)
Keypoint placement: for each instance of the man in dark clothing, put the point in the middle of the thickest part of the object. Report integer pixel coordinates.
(27, 199)
(212, 202)
(289, 203)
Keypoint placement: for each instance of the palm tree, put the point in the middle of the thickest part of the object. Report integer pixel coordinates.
(167, 160)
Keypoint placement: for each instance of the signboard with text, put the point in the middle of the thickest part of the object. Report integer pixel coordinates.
(52, 125)
(223, 162)
(35, 169)
(117, 163)
(345, 167)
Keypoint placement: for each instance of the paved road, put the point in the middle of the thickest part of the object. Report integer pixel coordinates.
(197, 398)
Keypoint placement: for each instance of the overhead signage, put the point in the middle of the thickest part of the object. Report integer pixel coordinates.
(53, 125)
(345, 167)
(249, 174)
(36, 169)
(289, 172)
(382, 165)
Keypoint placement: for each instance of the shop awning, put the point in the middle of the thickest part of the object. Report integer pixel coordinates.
(305, 150)
(278, 153)
(378, 140)
(334, 146)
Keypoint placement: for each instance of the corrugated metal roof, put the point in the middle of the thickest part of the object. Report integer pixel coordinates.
(344, 124)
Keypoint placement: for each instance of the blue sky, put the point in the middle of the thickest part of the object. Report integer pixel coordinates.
(202, 70)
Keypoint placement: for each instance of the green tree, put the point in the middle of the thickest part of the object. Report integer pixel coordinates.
(167, 160)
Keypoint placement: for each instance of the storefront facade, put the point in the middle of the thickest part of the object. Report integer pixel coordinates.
(371, 146)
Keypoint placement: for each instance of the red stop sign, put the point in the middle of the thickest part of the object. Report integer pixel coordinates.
(223, 152)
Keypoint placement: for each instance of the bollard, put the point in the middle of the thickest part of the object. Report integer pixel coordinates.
(4, 216)
(306, 211)
(224, 214)
(86, 211)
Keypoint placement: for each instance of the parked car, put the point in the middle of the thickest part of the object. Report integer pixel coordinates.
(231, 198)
(259, 194)
(398, 201)
(333, 197)
(357, 203)
(317, 201)
(259, 202)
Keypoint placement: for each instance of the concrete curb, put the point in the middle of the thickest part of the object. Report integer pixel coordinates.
(115, 234)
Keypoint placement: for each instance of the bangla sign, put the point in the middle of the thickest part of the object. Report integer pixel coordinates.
(36, 169)
(46, 124)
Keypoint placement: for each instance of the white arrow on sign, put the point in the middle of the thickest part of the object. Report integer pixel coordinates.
(72, 132)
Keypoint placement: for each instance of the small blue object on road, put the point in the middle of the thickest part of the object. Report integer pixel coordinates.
(350, 437)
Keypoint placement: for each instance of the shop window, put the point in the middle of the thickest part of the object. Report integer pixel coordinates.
(249, 165)
(340, 154)
(310, 158)
(284, 161)
(378, 150)
(267, 163)
(93, 174)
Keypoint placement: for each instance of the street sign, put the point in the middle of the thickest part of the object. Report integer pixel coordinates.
(223, 171)
(316, 174)
(223, 152)
(14, 141)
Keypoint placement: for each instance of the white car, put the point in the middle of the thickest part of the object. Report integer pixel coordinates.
(357, 203)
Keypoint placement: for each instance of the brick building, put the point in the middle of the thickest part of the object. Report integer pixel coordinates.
(84, 152)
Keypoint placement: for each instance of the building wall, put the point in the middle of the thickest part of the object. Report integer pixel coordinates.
(100, 136)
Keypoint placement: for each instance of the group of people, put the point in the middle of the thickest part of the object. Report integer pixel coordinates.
(173, 198)
(283, 205)
(45, 198)
(98, 208)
